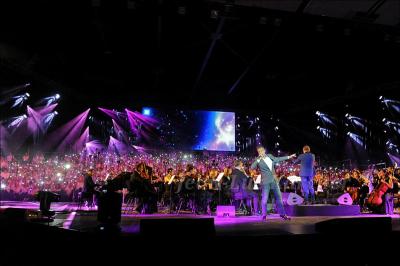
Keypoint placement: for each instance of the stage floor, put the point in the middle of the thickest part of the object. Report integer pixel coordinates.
(68, 217)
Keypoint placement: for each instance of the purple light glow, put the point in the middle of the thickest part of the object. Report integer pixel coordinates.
(65, 136)
(140, 124)
(93, 146)
(119, 132)
(34, 121)
(117, 146)
(113, 114)
(394, 159)
(80, 144)
(46, 109)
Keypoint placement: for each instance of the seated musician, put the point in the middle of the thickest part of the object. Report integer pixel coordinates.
(225, 186)
(352, 185)
(89, 187)
(88, 183)
(254, 192)
(169, 176)
(144, 190)
(188, 188)
(363, 192)
(204, 193)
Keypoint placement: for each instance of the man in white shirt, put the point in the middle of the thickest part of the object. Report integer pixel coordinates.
(266, 164)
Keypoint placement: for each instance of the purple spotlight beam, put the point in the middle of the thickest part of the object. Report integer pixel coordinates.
(65, 134)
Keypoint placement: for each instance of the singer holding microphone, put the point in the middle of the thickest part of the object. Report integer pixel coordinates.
(266, 165)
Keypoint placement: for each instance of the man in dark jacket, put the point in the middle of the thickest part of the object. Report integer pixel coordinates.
(307, 172)
(88, 183)
(239, 185)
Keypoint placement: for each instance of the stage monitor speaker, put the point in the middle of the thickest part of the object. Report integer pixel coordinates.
(362, 225)
(345, 199)
(177, 227)
(294, 199)
(226, 211)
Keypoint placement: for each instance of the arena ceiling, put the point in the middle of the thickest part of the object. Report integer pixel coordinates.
(301, 55)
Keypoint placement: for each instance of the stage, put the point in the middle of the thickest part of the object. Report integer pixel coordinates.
(69, 217)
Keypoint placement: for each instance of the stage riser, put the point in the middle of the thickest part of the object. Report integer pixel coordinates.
(323, 210)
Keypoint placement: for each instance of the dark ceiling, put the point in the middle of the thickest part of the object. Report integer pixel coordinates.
(201, 54)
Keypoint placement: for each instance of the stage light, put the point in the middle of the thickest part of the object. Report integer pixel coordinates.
(383, 120)
(356, 138)
(146, 111)
(47, 119)
(381, 98)
(51, 99)
(318, 127)
(347, 115)
(318, 113)
(20, 99)
(16, 121)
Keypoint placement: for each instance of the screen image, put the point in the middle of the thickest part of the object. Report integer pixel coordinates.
(217, 132)
(193, 130)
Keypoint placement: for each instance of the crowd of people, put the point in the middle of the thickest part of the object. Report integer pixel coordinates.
(22, 177)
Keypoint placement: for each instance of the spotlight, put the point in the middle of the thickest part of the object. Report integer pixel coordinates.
(16, 121)
(318, 113)
(146, 111)
(20, 99)
(318, 127)
(381, 98)
(347, 115)
(383, 120)
(348, 133)
(55, 112)
(57, 96)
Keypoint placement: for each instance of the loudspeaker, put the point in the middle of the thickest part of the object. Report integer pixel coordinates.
(226, 211)
(345, 199)
(294, 199)
(291, 199)
(177, 227)
(364, 225)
